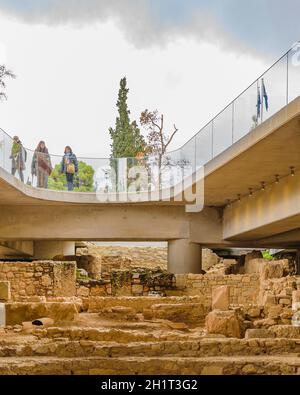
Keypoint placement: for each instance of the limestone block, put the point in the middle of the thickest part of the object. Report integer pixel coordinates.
(254, 312)
(5, 291)
(64, 274)
(209, 259)
(83, 291)
(46, 280)
(252, 255)
(258, 334)
(225, 323)
(285, 301)
(220, 298)
(137, 289)
(272, 269)
(286, 331)
(212, 370)
(249, 369)
(178, 312)
(296, 297)
(264, 323)
(18, 312)
(274, 311)
(266, 269)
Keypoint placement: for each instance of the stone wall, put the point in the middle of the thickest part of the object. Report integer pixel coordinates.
(90, 263)
(243, 289)
(39, 278)
(127, 283)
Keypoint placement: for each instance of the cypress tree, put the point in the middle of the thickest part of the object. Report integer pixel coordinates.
(127, 140)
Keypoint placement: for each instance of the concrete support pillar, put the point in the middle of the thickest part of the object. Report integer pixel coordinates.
(49, 249)
(184, 257)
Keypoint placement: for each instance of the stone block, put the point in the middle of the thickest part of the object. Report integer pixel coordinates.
(274, 312)
(296, 297)
(285, 301)
(273, 269)
(4, 291)
(18, 312)
(212, 370)
(225, 323)
(220, 298)
(258, 334)
(177, 312)
(254, 312)
(209, 259)
(286, 331)
(137, 289)
(264, 323)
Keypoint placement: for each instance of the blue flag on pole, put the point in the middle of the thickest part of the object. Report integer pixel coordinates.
(258, 105)
(264, 94)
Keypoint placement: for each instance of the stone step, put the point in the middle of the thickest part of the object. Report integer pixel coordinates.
(189, 348)
(156, 334)
(111, 334)
(239, 365)
(97, 304)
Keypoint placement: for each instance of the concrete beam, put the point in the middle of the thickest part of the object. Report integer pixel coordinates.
(81, 222)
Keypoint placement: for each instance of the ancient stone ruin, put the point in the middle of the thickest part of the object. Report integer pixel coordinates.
(98, 313)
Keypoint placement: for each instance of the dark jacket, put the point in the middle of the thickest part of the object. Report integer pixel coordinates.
(72, 159)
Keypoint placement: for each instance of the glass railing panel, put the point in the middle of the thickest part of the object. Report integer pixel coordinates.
(222, 131)
(245, 112)
(188, 156)
(294, 73)
(204, 146)
(7, 165)
(172, 164)
(275, 81)
(2, 148)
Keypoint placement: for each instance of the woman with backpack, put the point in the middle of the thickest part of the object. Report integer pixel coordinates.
(69, 166)
(41, 165)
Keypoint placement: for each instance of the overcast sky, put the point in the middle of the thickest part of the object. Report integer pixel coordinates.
(186, 58)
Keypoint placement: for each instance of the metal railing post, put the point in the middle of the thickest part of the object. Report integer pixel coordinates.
(212, 139)
(287, 78)
(232, 121)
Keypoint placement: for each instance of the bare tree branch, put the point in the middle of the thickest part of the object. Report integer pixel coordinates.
(172, 135)
(4, 73)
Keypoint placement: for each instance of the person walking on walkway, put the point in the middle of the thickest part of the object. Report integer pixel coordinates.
(41, 166)
(18, 158)
(69, 166)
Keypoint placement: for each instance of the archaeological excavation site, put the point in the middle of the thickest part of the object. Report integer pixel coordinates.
(118, 311)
